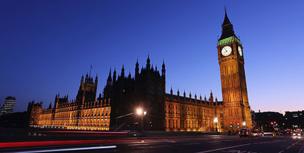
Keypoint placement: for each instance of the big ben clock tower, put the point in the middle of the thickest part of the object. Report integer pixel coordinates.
(236, 110)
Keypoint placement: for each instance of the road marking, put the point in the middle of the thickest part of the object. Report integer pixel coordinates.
(224, 148)
(70, 149)
(288, 147)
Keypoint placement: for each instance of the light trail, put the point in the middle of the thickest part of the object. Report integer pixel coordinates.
(70, 149)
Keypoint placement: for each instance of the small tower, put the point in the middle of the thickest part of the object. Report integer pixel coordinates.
(122, 75)
(82, 79)
(109, 80)
(148, 64)
(87, 90)
(57, 101)
(136, 70)
(96, 81)
(211, 97)
(129, 76)
(164, 70)
(114, 76)
(164, 76)
(50, 106)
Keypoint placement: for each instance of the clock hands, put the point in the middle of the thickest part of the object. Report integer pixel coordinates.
(225, 49)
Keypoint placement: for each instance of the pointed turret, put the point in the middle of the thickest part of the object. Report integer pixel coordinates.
(114, 75)
(109, 80)
(148, 64)
(211, 97)
(86, 77)
(50, 106)
(163, 69)
(163, 76)
(136, 69)
(96, 80)
(122, 75)
(99, 96)
(82, 78)
(129, 76)
(227, 28)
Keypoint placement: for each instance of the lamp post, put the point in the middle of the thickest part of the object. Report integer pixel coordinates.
(215, 121)
(141, 113)
(244, 124)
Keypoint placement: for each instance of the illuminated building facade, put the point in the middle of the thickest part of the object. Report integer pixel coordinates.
(193, 113)
(147, 89)
(233, 79)
(86, 113)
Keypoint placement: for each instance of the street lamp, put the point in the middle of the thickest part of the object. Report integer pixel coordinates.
(141, 113)
(244, 123)
(215, 121)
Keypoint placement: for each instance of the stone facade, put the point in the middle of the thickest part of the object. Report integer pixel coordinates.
(147, 89)
(80, 115)
(192, 114)
(234, 89)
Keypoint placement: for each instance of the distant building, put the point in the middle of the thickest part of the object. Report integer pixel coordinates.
(8, 105)
(13, 120)
(269, 121)
(294, 119)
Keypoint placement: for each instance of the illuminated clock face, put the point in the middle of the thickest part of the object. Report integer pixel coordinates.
(226, 51)
(240, 51)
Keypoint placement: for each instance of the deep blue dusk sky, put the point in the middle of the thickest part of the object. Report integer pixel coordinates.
(46, 46)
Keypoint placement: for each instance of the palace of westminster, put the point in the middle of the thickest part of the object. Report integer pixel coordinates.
(113, 110)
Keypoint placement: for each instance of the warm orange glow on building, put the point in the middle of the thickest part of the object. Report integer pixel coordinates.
(68, 116)
(192, 114)
(168, 112)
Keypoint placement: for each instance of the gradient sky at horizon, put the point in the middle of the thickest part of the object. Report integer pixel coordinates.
(46, 46)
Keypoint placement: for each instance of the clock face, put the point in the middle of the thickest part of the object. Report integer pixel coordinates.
(226, 51)
(240, 51)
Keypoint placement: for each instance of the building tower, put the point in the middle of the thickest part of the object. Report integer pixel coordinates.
(8, 105)
(233, 80)
(87, 90)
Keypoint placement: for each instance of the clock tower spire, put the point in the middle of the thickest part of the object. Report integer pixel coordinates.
(227, 28)
(236, 108)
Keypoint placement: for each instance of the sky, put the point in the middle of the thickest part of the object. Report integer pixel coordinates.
(45, 46)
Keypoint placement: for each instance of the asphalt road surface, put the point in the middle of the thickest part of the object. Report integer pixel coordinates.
(177, 144)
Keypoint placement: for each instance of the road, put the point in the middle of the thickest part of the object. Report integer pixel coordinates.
(175, 144)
